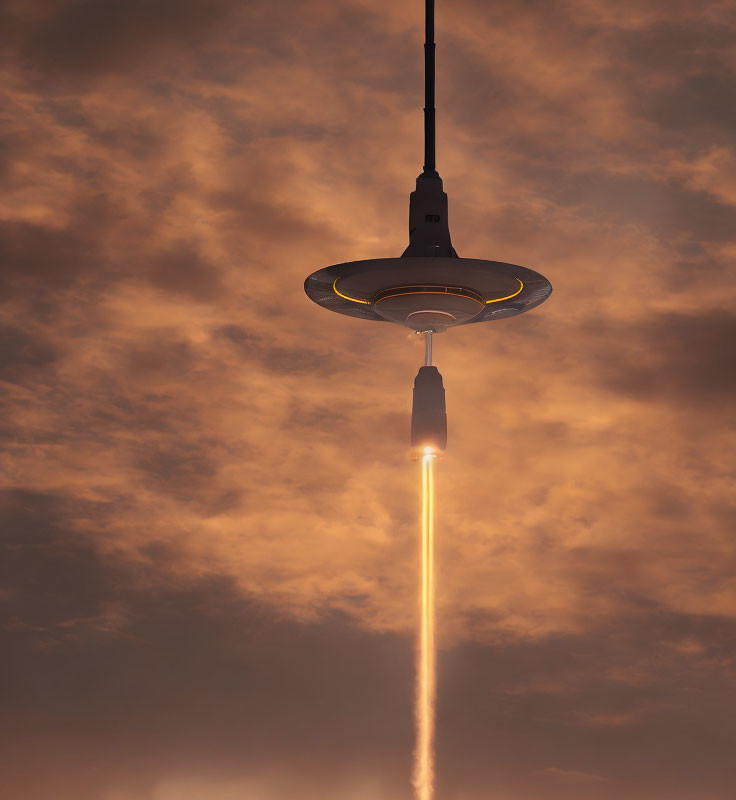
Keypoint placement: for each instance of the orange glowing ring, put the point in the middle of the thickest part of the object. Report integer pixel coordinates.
(509, 296)
(345, 297)
(459, 292)
(453, 291)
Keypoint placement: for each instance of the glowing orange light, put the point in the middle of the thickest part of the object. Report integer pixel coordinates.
(508, 296)
(444, 291)
(424, 288)
(425, 688)
(344, 296)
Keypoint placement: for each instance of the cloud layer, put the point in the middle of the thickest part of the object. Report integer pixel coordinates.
(210, 529)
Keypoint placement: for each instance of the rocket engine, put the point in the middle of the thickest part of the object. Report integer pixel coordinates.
(428, 416)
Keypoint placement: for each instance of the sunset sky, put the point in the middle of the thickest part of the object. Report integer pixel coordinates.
(208, 575)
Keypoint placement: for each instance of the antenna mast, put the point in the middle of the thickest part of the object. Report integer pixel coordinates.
(429, 48)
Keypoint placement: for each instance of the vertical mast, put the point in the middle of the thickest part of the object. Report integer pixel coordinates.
(429, 48)
(429, 234)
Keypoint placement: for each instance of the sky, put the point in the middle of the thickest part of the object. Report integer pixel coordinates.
(209, 515)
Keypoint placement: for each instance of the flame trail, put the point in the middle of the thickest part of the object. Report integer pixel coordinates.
(425, 686)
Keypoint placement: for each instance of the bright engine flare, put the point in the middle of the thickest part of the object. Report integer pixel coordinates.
(425, 672)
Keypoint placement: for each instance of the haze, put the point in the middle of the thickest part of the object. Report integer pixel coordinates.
(210, 517)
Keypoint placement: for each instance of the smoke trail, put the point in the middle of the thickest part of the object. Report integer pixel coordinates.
(425, 677)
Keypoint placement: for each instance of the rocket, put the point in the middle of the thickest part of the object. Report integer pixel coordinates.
(428, 415)
(429, 288)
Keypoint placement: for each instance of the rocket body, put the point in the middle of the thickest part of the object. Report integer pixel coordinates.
(428, 415)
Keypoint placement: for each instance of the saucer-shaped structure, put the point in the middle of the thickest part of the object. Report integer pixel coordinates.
(429, 288)
(427, 293)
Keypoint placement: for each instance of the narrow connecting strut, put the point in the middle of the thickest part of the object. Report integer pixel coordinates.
(427, 348)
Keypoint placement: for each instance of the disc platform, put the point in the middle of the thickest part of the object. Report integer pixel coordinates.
(427, 293)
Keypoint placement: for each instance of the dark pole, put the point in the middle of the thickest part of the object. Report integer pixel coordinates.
(429, 164)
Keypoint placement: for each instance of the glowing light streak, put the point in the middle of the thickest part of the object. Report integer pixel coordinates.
(445, 292)
(426, 681)
(509, 296)
(346, 297)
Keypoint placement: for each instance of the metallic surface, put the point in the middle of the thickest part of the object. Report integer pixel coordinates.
(428, 415)
(352, 288)
(429, 110)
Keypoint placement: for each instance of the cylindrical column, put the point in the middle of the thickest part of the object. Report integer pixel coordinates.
(429, 126)
(428, 416)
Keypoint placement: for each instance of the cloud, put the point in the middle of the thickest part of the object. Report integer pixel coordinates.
(676, 357)
(89, 37)
(21, 352)
(572, 776)
(146, 668)
(211, 530)
(182, 681)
